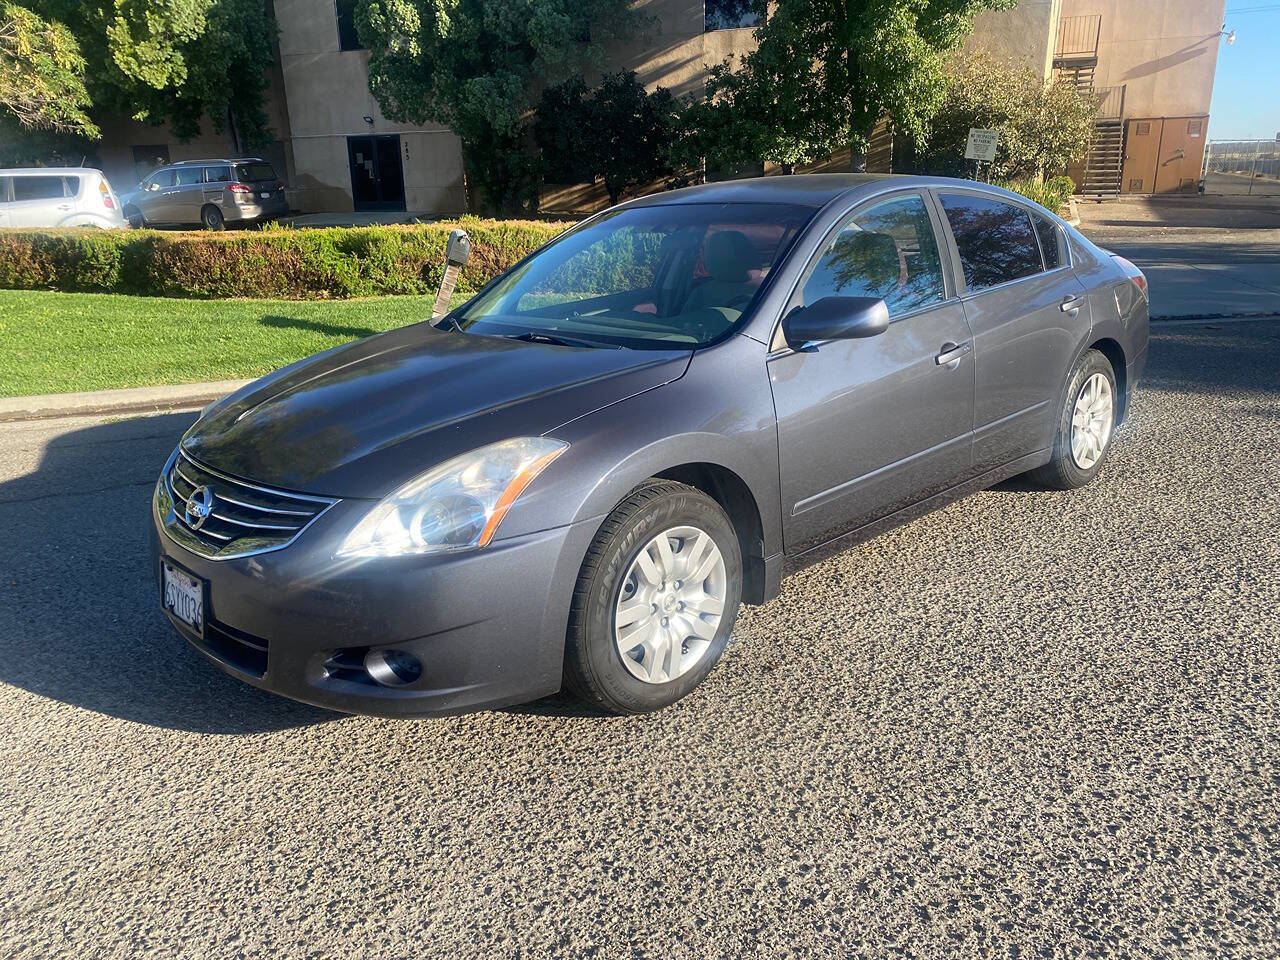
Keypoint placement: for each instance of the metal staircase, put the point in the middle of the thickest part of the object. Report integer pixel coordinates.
(1104, 163)
(1076, 59)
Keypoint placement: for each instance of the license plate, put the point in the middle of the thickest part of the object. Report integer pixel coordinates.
(183, 596)
(265, 196)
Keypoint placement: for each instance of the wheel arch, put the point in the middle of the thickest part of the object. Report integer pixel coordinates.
(736, 499)
(1114, 353)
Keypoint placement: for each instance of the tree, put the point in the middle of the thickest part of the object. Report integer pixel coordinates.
(42, 74)
(175, 61)
(825, 71)
(1043, 127)
(619, 133)
(477, 66)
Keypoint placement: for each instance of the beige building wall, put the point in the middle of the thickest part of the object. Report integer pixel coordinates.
(328, 94)
(1025, 33)
(1164, 53)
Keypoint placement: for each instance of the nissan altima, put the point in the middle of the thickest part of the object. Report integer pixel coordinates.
(575, 478)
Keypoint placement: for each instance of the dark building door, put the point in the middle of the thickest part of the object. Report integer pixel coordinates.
(377, 177)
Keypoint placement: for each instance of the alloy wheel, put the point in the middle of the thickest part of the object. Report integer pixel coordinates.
(670, 604)
(1091, 421)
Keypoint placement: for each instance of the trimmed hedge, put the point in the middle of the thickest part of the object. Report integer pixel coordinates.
(282, 264)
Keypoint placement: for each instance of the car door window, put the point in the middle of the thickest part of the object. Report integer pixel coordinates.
(38, 188)
(159, 181)
(4, 189)
(995, 240)
(190, 176)
(887, 251)
(217, 174)
(1050, 244)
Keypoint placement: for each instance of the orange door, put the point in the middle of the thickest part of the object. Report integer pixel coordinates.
(1181, 154)
(1141, 155)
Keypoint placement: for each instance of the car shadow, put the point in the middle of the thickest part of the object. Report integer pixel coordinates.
(79, 613)
(317, 326)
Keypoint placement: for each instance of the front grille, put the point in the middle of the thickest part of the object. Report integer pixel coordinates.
(245, 518)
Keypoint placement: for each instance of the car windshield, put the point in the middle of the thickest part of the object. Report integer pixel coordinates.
(673, 275)
(253, 172)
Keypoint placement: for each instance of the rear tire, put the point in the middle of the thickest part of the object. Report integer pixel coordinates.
(663, 578)
(211, 218)
(1086, 425)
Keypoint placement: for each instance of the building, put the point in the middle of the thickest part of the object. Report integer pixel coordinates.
(1151, 62)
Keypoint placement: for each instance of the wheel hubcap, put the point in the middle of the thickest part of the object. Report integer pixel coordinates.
(1091, 421)
(670, 604)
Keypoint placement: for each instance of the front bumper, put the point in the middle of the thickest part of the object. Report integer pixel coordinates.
(488, 626)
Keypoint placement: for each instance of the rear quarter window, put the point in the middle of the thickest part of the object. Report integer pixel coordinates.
(254, 172)
(996, 240)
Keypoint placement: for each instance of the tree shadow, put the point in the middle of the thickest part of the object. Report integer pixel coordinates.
(317, 326)
(80, 620)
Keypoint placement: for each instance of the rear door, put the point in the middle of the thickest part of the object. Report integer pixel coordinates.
(216, 180)
(867, 427)
(1028, 313)
(39, 200)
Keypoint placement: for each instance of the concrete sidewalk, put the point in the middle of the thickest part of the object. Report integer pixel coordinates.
(135, 400)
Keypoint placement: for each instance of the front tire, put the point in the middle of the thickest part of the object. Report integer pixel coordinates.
(211, 218)
(656, 600)
(135, 218)
(1086, 425)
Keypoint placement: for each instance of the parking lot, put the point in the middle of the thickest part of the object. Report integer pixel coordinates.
(1032, 724)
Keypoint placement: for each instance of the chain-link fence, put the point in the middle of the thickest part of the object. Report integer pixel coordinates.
(1242, 167)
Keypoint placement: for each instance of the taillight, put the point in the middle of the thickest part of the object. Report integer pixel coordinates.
(106, 196)
(239, 188)
(1133, 273)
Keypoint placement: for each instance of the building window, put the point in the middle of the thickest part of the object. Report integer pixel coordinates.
(347, 37)
(729, 14)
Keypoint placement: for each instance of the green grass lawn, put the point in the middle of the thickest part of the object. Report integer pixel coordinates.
(63, 342)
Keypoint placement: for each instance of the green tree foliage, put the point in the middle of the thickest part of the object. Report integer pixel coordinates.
(619, 133)
(476, 66)
(41, 76)
(1043, 127)
(825, 71)
(175, 60)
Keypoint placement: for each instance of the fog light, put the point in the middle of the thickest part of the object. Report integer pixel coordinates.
(392, 668)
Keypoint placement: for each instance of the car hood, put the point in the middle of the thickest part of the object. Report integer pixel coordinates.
(361, 419)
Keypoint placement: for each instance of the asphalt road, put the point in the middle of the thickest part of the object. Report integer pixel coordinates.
(1030, 725)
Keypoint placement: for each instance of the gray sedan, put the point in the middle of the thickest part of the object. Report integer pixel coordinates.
(578, 476)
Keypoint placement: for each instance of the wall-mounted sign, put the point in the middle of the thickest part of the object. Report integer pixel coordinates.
(981, 145)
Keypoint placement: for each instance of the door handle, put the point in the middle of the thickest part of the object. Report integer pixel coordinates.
(952, 352)
(1072, 305)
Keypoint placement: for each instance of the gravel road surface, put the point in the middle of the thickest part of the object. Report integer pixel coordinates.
(1030, 725)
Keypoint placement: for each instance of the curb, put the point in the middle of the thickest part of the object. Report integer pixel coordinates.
(135, 400)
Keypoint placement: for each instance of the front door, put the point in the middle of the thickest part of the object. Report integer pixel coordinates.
(377, 175)
(867, 427)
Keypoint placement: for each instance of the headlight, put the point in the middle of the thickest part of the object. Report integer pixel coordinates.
(454, 506)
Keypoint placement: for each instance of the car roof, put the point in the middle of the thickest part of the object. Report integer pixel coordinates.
(48, 171)
(201, 163)
(809, 189)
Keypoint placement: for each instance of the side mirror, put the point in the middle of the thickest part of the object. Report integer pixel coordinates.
(836, 318)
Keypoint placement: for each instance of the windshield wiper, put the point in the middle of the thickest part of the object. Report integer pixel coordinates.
(537, 336)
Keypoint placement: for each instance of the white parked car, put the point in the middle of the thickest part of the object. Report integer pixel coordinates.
(58, 197)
